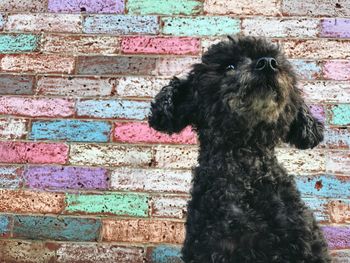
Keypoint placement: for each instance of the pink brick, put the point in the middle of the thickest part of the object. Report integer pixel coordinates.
(44, 22)
(23, 201)
(36, 107)
(30, 152)
(161, 45)
(38, 63)
(135, 132)
(337, 70)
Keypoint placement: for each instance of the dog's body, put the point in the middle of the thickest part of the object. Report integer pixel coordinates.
(243, 101)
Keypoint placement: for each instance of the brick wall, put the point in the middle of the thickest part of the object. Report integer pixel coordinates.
(84, 179)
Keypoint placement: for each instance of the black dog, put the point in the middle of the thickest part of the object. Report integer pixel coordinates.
(242, 100)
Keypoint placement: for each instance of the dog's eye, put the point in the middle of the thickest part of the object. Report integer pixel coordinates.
(230, 67)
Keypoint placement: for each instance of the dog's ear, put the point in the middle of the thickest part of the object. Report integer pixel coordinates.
(305, 130)
(173, 107)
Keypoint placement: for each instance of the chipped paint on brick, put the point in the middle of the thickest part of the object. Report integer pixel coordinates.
(65, 177)
(121, 24)
(200, 26)
(151, 180)
(134, 132)
(70, 130)
(88, 6)
(109, 155)
(122, 204)
(56, 228)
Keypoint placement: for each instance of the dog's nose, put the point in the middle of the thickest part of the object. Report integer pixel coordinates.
(266, 63)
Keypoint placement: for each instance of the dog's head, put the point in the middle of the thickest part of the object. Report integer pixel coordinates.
(243, 84)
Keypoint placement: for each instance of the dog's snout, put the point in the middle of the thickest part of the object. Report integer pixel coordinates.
(266, 63)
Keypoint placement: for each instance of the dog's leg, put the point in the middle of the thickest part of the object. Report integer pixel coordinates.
(305, 130)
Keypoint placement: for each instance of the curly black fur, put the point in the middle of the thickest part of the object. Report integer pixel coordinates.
(244, 206)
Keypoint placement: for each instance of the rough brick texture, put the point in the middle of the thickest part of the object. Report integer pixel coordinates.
(83, 178)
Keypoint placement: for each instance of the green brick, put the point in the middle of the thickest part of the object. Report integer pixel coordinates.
(200, 26)
(18, 43)
(164, 7)
(116, 204)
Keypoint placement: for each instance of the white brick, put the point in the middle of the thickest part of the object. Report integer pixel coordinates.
(169, 206)
(327, 91)
(151, 180)
(12, 129)
(280, 27)
(140, 86)
(75, 86)
(176, 157)
(109, 155)
(246, 7)
(301, 162)
(317, 49)
(44, 22)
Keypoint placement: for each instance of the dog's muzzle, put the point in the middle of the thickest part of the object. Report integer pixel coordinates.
(266, 64)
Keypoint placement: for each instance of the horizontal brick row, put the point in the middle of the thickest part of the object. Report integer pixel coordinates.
(130, 65)
(41, 252)
(142, 20)
(125, 230)
(183, 7)
(162, 156)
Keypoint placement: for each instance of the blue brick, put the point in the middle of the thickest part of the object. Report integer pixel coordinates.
(122, 109)
(324, 185)
(307, 69)
(71, 130)
(5, 222)
(56, 228)
(121, 24)
(166, 254)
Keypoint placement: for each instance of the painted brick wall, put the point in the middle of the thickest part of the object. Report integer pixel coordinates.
(82, 176)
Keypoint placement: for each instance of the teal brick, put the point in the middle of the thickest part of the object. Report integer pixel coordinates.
(56, 228)
(18, 43)
(117, 204)
(164, 7)
(165, 254)
(5, 222)
(339, 114)
(71, 130)
(200, 26)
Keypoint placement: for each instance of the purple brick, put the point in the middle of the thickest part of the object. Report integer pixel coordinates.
(337, 237)
(335, 27)
(89, 6)
(318, 112)
(58, 177)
